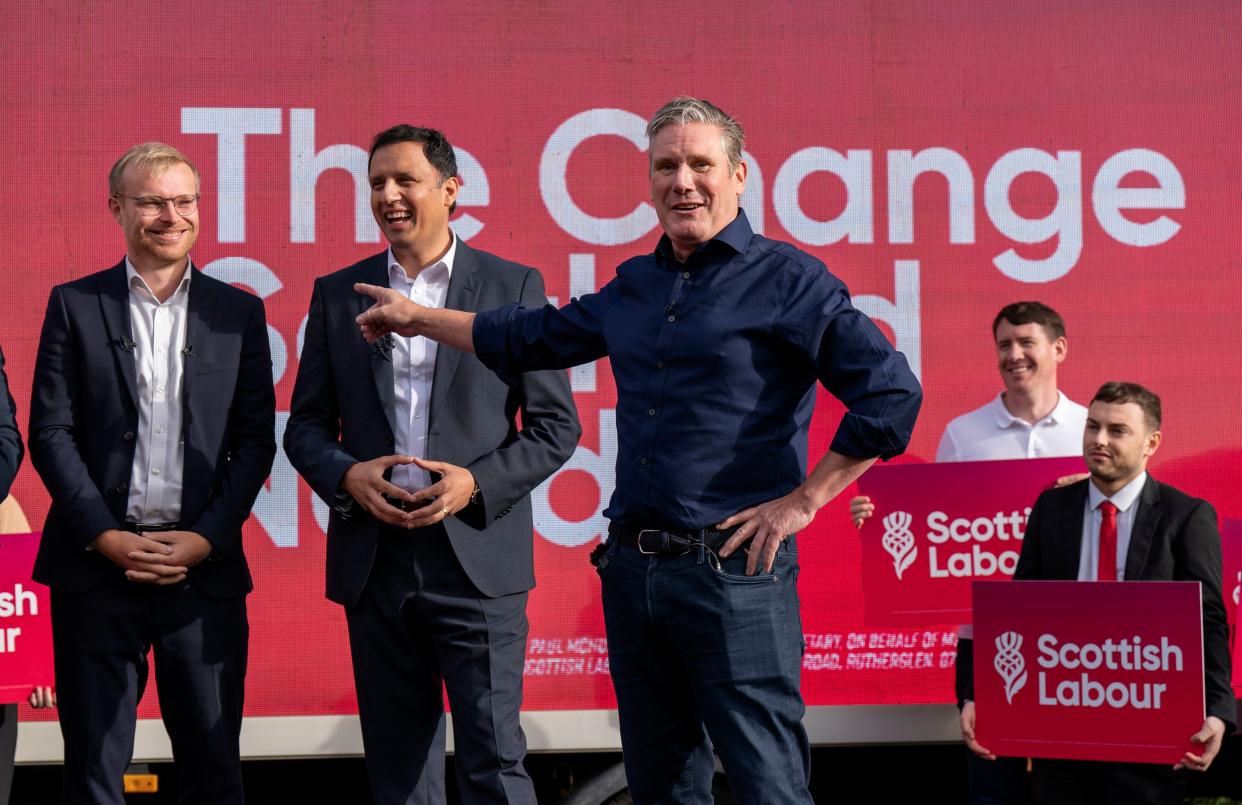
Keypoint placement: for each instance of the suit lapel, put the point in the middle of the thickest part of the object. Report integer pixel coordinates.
(462, 295)
(1146, 521)
(114, 305)
(1069, 530)
(376, 273)
(200, 311)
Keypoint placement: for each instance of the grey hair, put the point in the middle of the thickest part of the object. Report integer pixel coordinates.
(150, 157)
(684, 109)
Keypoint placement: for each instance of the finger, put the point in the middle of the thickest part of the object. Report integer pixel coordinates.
(756, 550)
(382, 487)
(156, 541)
(157, 569)
(149, 558)
(741, 535)
(383, 511)
(165, 581)
(390, 461)
(433, 466)
(740, 517)
(140, 576)
(770, 550)
(429, 515)
(432, 492)
(376, 292)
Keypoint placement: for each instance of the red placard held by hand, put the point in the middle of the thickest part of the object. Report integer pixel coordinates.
(1089, 670)
(938, 527)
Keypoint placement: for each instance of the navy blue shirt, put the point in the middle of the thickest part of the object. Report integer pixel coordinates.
(715, 362)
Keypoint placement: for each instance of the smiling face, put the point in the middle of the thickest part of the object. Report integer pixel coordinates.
(1027, 358)
(1116, 443)
(694, 189)
(160, 241)
(411, 203)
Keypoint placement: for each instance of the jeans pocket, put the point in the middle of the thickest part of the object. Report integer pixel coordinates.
(733, 571)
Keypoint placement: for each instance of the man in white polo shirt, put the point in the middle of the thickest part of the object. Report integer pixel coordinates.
(1031, 418)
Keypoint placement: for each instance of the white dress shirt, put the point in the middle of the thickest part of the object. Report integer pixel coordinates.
(991, 432)
(1125, 500)
(159, 452)
(414, 364)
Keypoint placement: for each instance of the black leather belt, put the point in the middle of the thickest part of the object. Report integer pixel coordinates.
(138, 528)
(406, 505)
(660, 542)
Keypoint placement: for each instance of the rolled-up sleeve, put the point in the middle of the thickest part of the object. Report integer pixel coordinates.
(858, 365)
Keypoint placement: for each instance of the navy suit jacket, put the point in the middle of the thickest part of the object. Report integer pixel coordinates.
(84, 414)
(1175, 538)
(343, 411)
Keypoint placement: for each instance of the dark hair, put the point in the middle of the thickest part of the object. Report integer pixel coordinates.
(1118, 392)
(436, 148)
(1031, 313)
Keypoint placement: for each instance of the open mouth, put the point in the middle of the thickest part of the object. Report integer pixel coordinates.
(167, 235)
(398, 216)
(686, 207)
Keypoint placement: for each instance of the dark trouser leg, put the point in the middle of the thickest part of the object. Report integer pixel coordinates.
(1003, 781)
(200, 669)
(667, 757)
(481, 646)
(1083, 782)
(100, 649)
(740, 639)
(8, 749)
(400, 703)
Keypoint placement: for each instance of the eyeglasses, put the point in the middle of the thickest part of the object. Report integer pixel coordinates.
(151, 206)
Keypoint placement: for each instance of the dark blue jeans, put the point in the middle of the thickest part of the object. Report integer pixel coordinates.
(698, 653)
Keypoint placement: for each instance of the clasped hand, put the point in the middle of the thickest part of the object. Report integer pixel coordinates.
(365, 483)
(156, 557)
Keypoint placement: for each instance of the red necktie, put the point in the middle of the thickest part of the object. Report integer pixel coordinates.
(1107, 567)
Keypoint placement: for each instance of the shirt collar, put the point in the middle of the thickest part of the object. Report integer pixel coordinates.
(1123, 498)
(396, 272)
(736, 235)
(136, 283)
(1004, 419)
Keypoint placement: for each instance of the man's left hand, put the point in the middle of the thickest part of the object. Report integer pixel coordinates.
(768, 523)
(447, 496)
(188, 549)
(1210, 736)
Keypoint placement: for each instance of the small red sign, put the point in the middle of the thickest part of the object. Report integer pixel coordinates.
(939, 527)
(1089, 670)
(25, 621)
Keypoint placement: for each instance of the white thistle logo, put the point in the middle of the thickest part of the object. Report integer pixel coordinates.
(1009, 663)
(1237, 590)
(898, 540)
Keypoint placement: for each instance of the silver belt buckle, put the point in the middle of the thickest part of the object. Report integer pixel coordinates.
(640, 541)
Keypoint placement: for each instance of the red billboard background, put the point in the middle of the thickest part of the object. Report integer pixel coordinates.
(1086, 155)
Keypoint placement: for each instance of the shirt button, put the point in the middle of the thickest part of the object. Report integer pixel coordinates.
(672, 318)
(129, 436)
(659, 364)
(685, 275)
(642, 460)
(160, 350)
(155, 472)
(650, 412)
(157, 430)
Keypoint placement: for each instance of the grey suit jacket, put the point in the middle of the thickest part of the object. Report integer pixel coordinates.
(343, 409)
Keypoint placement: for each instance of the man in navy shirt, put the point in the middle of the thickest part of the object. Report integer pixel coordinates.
(716, 341)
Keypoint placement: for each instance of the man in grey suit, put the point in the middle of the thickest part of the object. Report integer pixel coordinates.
(415, 449)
